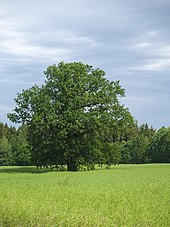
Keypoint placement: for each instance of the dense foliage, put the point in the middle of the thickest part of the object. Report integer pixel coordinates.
(145, 146)
(72, 119)
(76, 120)
(159, 148)
(14, 149)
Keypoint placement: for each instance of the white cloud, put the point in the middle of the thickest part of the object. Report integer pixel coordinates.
(52, 45)
(153, 65)
(163, 50)
(28, 50)
(18, 43)
(141, 46)
(73, 39)
(152, 51)
(155, 48)
(157, 65)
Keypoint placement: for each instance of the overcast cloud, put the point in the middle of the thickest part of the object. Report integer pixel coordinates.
(128, 39)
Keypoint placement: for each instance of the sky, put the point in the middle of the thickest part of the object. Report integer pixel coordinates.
(128, 39)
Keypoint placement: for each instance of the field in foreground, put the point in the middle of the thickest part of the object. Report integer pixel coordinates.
(125, 195)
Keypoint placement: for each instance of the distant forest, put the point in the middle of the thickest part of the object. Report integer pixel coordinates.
(143, 145)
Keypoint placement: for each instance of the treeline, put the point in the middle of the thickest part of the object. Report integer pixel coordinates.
(14, 149)
(147, 146)
(142, 144)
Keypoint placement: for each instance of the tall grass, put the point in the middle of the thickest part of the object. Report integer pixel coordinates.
(126, 195)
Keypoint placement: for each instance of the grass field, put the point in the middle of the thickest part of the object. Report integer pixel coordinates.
(125, 195)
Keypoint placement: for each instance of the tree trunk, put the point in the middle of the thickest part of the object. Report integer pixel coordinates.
(72, 167)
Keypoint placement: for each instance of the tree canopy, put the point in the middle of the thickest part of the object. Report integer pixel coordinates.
(72, 115)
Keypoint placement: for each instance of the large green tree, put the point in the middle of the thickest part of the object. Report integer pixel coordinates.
(71, 115)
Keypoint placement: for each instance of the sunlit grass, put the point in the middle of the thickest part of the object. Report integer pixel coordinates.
(125, 195)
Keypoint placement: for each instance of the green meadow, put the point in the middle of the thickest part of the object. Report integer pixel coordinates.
(124, 195)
